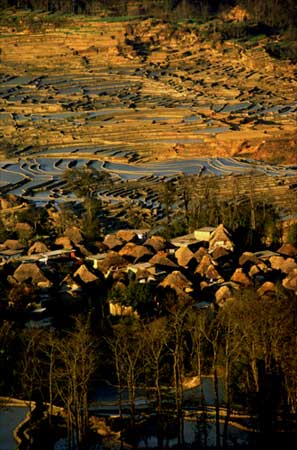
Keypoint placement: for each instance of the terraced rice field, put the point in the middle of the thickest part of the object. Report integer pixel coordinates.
(87, 96)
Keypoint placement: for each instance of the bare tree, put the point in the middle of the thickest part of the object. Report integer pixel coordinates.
(127, 349)
(211, 331)
(177, 321)
(232, 342)
(156, 336)
(31, 370)
(75, 366)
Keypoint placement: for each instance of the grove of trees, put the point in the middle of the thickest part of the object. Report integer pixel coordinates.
(85, 183)
(249, 347)
(279, 14)
(192, 202)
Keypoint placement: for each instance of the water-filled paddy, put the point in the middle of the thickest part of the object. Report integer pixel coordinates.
(37, 174)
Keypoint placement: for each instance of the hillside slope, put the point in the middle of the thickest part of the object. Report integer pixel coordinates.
(146, 87)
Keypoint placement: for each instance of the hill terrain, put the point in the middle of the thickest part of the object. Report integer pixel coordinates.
(148, 88)
(148, 235)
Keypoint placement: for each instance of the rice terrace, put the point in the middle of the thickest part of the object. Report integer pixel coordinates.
(141, 99)
(148, 224)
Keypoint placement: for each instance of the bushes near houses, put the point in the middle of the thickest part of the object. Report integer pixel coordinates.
(292, 235)
(283, 50)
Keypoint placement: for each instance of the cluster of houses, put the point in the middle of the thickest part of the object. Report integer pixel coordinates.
(201, 268)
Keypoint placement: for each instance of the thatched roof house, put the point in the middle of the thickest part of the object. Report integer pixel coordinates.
(113, 242)
(156, 243)
(225, 292)
(290, 282)
(283, 264)
(207, 269)
(74, 234)
(127, 235)
(248, 259)
(112, 261)
(221, 238)
(38, 247)
(64, 241)
(241, 278)
(134, 235)
(11, 244)
(84, 275)
(178, 284)
(162, 260)
(288, 250)
(136, 253)
(177, 281)
(186, 258)
(31, 272)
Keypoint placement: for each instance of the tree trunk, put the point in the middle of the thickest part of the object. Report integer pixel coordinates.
(51, 385)
(227, 394)
(254, 367)
(216, 388)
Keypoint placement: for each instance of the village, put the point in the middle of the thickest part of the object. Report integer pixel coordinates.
(131, 282)
(203, 268)
(148, 224)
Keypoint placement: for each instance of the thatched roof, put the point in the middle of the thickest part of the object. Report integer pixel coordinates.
(283, 264)
(74, 234)
(200, 253)
(112, 261)
(136, 252)
(177, 281)
(203, 265)
(220, 253)
(68, 283)
(241, 278)
(259, 270)
(113, 242)
(162, 259)
(38, 247)
(221, 238)
(267, 288)
(64, 241)
(224, 293)
(12, 244)
(143, 254)
(287, 250)
(85, 275)
(127, 235)
(156, 243)
(32, 272)
(185, 257)
(128, 251)
(212, 273)
(248, 259)
(290, 282)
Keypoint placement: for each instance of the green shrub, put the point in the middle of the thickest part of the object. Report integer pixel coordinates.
(292, 235)
(283, 50)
